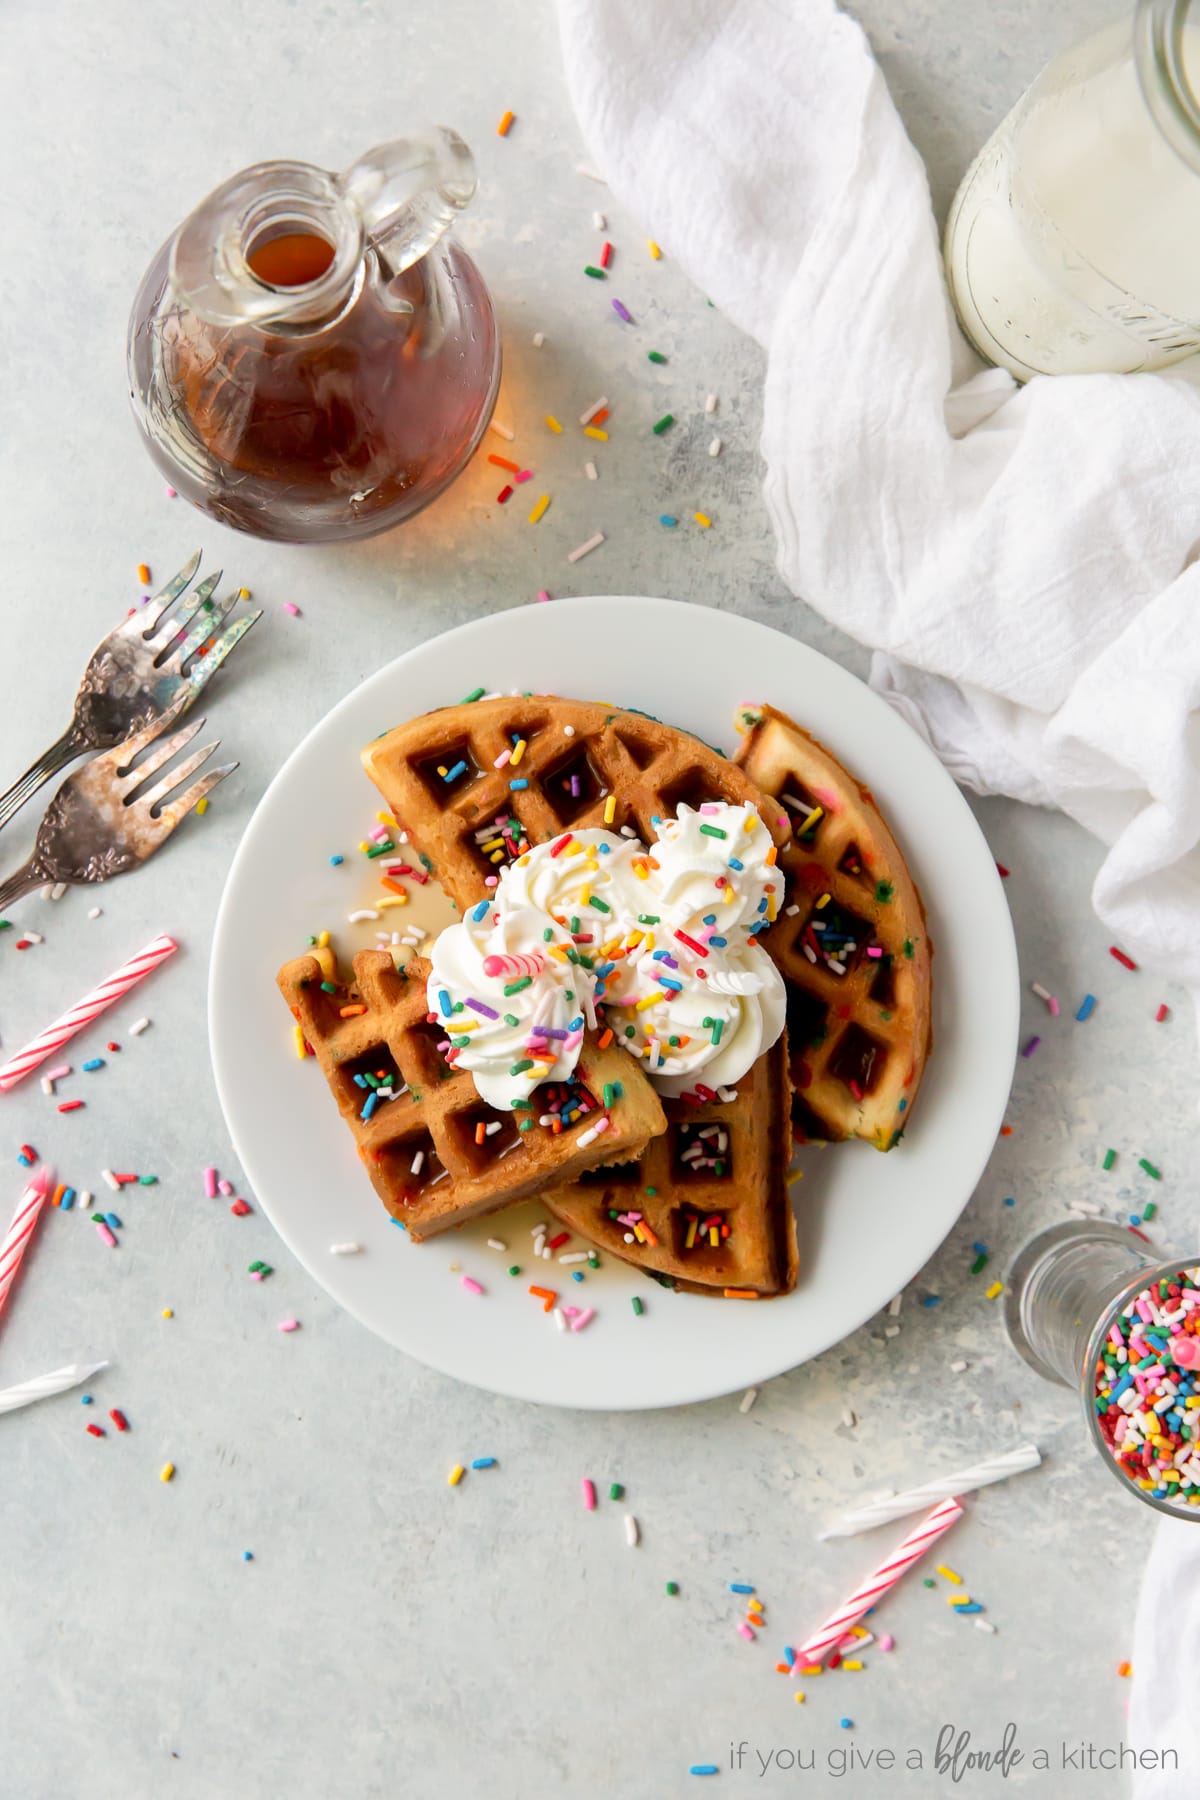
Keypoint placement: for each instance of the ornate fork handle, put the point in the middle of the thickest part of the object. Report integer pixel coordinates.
(64, 750)
(29, 876)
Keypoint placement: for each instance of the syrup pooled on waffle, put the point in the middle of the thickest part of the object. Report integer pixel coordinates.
(475, 784)
(707, 1207)
(851, 944)
(435, 1151)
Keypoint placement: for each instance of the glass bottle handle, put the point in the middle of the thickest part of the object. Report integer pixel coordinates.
(407, 192)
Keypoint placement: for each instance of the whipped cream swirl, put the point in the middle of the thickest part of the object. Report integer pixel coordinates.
(661, 939)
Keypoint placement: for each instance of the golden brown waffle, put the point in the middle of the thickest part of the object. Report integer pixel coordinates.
(717, 1170)
(859, 1021)
(570, 764)
(469, 1158)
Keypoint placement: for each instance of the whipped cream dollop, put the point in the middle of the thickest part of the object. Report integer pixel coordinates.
(658, 942)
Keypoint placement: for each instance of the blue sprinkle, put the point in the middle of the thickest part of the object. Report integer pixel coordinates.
(762, 905)
(478, 912)
(845, 1724)
(676, 987)
(400, 1223)
(460, 768)
(1010, 1201)
(85, 1399)
(666, 519)
(604, 969)
(248, 1555)
(444, 1002)
(371, 1102)
(112, 1221)
(735, 864)
(519, 783)
(484, 1462)
(718, 943)
(361, 1081)
(93, 1062)
(972, 1606)
(932, 1300)
(697, 1768)
(68, 1199)
(902, 1106)
(710, 918)
(1135, 1218)
(335, 862)
(576, 1024)
(576, 1274)
(740, 1587)
(980, 1249)
(602, 849)
(1085, 1010)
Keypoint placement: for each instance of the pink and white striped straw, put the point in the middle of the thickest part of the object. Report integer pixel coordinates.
(911, 1550)
(85, 1010)
(16, 1240)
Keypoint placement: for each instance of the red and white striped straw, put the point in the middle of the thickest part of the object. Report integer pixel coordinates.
(85, 1010)
(932, 1527)
(16, 1240)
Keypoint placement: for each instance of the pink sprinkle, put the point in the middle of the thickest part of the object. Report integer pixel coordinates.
(106, 1236)
(542, 594)
(709, 807)
(471, 1285)
(210, 1184)
(887, 1642)
(589, 1495)
(746, 1632)
(224, 1187)
(256, 1274)
(171, 495)
(57, 1073)
(288, 607)
(288, 1325)
(1052, 1003)
(378, 834)
(524, 475)
(602, 1125)
(583, 1318)
(502, 759)
(491, 881)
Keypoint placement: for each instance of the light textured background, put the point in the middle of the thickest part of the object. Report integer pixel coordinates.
(391, 1636)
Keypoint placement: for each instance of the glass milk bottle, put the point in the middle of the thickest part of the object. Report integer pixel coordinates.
(1073, 244)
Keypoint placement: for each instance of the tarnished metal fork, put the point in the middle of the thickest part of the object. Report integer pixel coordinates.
(99, 825)
(139, 672)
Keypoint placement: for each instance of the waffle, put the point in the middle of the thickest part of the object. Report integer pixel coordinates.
(583, 764)
(858, 1024)
(379, 1029)
(674, 1194)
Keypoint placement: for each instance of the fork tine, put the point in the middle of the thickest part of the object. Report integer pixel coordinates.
(229, 639)
(205, 626)
(163, 635)
(150, 615)
(164, 750)
(115, 761)
(174, 777)
(152, 832)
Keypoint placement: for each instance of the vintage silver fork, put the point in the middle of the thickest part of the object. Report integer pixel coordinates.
(138, 672)
(95, 827)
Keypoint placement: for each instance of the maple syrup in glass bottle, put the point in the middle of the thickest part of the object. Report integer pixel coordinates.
(311, 357)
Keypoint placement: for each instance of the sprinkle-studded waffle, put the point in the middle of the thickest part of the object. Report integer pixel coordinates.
(707, 1207)
(851, 943)
(474, 784)
(437, 1154)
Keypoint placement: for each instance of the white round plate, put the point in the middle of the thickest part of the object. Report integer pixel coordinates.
(867, 1221)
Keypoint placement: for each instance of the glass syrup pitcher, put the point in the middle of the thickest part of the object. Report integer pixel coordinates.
(311, 358)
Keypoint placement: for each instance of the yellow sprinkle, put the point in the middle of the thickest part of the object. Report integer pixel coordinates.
(650, 1000)
(534, 516)
(772, 909)
(553, 423)
(641, 871)
(202, 807)
(498, 856)
(656, 253)
(455, 1475)
(518, 753)
(243, 593)
(634, 939)
(494, 844)
(702, 519)
(949, 1574)
(823, 901)
(168, 1313)
(818, 812)
(610, 809)
(322, 940)
(750, 823)
(858, 1631)
(364, 846)
(851, 1664)
(166, 1472)
(298, 1035)
(798, 1697)
(812, 1669)
(392, 900)
(959, 1600)
(997, 1287)
(574, 849)
(594, 431)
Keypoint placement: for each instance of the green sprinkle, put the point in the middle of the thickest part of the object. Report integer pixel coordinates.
(425, 862)
(712, 831)
(593, 1259)
(511, 1019)
(630, 1031)
(672, 1586)
(638, 1309)
(519, 1068)
(655, 356)
(1149, 1210)
(147, 1180)
(524, 1124)
(518, 987)
(460, 1043)
(648, 918)
(1110, 1157)
(329, 987)
(476, 694)
(600, 905)
(664, 424)
(980, 1263)
(6, 925)
(516, 1269)
(522, 1105)
(673, 1043)
(929, 1583)
(1150, 1169)
(608, 1093)
(651, 1193)
(718, 1026)
(616, 1491)
(548, 935)
(98, 1219)
(884, 891)
(908, 948)
(380, 849)
(311, 939)
(595, 273)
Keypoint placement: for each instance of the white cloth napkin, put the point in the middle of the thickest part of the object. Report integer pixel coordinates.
(1020, 559)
